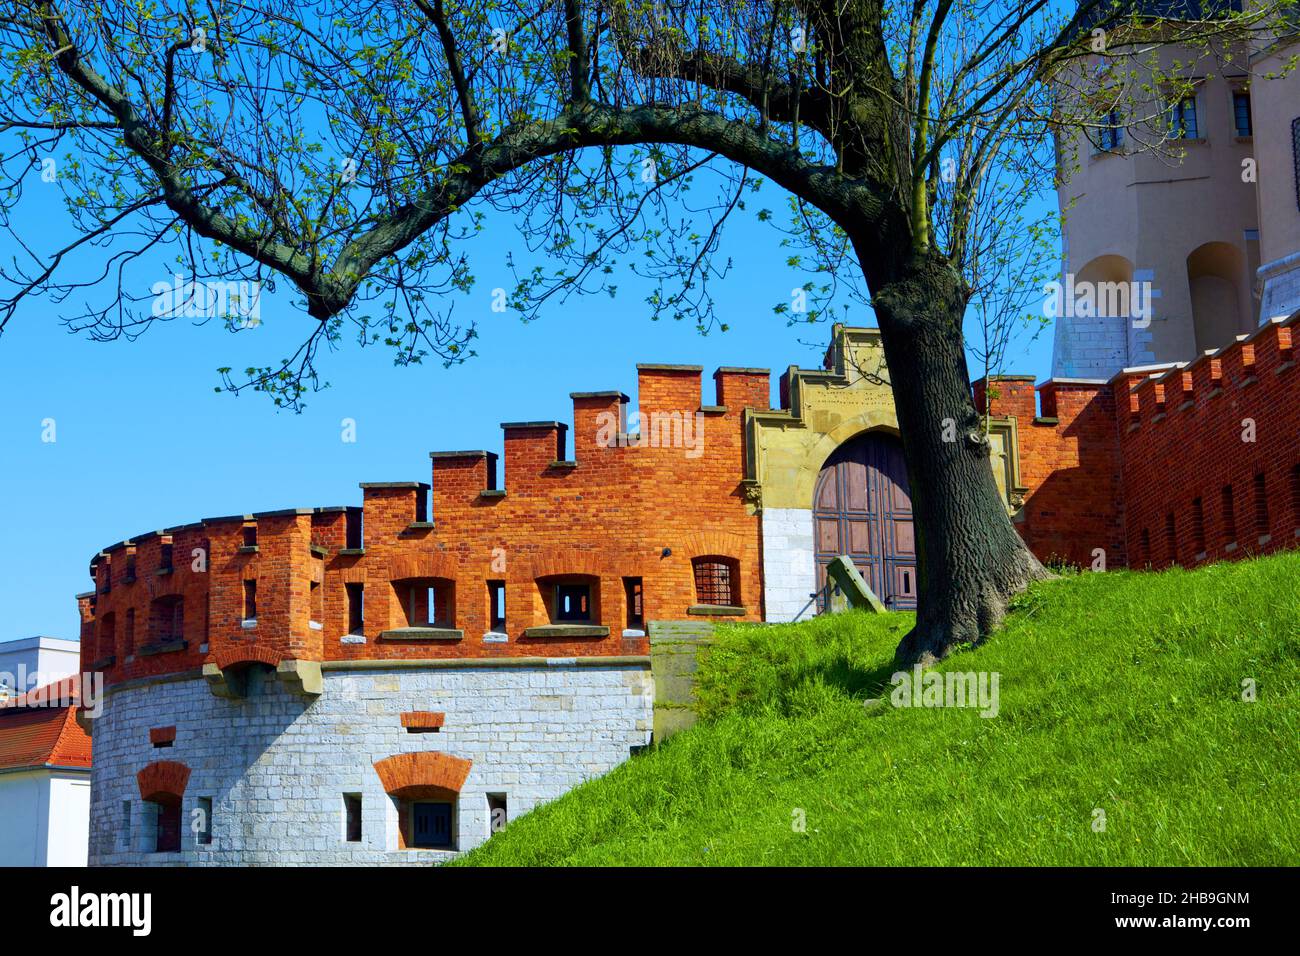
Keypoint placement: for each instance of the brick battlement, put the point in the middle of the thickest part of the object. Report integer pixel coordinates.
(1179, 463)
(419, 569)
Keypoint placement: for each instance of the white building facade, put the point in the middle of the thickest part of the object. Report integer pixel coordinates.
(44, 758)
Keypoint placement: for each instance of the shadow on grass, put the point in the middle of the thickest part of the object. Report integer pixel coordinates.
(854, 679)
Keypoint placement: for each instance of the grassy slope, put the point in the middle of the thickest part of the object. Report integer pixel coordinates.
(1119, 691)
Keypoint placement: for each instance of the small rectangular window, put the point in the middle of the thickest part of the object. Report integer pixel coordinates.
(352, 529)
(352, 817)
(1171, 538)
(317, 595)
(431, 825)
(1295, 494)
(715, 581)
(497, 812)
(1261, 505)
(632, 592)
(167, 618)
(422, 504)
(1183, 123)
(250, 536)
(1229, 516)
(166, 562)
(107, 628)
(497, 606)
(250, 600)
(1295, 155)
(356, 608)
(1198, 527)
(573, 602)
(203, 822)
(1111, 135)
(126, 824)
(1241, 113)
(167, 827)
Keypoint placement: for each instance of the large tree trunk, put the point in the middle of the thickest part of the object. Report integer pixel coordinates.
(970, 559)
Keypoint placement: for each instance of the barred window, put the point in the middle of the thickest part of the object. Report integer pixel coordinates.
(716, 581)
(573, 602)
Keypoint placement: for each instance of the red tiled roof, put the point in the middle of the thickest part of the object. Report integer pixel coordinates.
(68, 690)
(36, 736)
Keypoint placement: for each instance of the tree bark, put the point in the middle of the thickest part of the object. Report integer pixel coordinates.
(970, 559)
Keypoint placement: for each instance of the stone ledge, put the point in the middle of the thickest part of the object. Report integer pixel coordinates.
(162, 647)
(472, 663)
(716, 610)
(422, 634)
(400, 664)
(567, 630)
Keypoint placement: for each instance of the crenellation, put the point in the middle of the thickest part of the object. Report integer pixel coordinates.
(519, 611)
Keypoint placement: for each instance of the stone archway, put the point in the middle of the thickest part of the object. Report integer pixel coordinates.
(862, 508)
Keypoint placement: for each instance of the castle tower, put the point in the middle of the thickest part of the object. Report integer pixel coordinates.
(1276, 106)
(1169, 238)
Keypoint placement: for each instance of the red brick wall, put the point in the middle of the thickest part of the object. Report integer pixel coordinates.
(1102, 464)
(1069, 461)
(1109, 466)
(1183, 437)
(609, 513)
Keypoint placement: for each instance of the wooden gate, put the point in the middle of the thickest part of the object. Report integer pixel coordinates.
(862, 508)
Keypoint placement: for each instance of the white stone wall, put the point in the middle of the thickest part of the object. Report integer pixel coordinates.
(789, 571)
(1092, 347)
(276, 765)
(1281, 296)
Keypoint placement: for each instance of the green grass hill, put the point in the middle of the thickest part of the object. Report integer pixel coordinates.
(1121, 701)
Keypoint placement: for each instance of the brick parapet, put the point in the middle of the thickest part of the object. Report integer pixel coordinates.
(1139, 466)
(624, 507)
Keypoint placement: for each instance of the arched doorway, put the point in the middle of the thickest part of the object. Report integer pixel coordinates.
(862, 507)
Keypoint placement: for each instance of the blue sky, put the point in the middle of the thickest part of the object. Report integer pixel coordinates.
(143, 442)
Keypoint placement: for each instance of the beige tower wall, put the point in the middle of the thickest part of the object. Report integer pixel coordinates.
(1276, 103)
(1186, 224)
